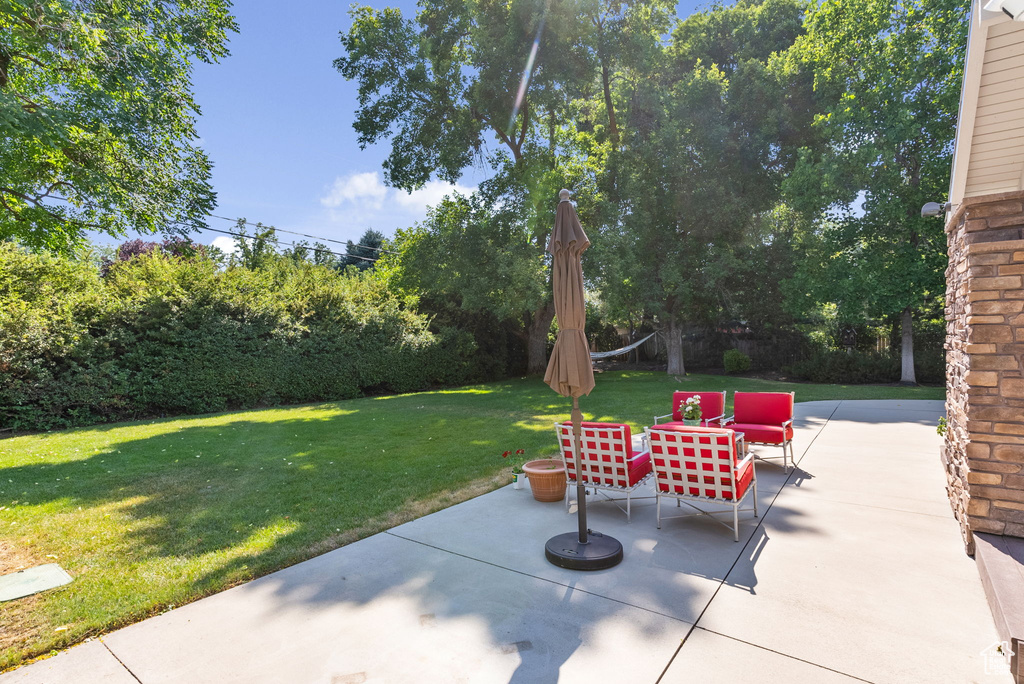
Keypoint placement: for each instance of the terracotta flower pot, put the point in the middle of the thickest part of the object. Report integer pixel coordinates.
(547, 478)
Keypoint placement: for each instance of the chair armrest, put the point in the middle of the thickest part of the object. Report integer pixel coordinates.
(740, 465)
(786, 422)
(715, 418)
(729, 419)
(638, 454)
(741, 449)
(656, 418)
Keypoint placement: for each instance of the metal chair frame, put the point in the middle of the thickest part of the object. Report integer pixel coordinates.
(720, 485)
(591, 468)
(788, 457)
(703, 419)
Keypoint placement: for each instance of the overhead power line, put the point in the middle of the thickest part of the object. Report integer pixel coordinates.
(293, 244)
(311, 237)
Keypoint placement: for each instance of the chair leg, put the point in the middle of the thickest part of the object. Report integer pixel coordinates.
(736, 522)
(657, 505)
(755, 493)
(628, 513)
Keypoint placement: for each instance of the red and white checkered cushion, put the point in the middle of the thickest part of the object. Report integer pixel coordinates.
(698, 462)
(605, 452)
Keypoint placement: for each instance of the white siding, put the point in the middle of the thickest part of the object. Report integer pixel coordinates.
(997, 138)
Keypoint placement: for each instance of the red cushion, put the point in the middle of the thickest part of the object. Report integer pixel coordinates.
(641, 465)
(763, 408)
(746, 475)
(711, 403)
(763, 434)
(681, 424)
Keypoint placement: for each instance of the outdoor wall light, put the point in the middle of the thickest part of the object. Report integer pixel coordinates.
(934, 208)
(1012, 8)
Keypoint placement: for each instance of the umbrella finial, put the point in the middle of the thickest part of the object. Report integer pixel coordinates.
(563, 195)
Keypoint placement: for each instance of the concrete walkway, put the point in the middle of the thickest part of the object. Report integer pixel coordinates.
(854, 572)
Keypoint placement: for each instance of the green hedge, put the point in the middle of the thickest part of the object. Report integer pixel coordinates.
(840, 367)
(162, 335)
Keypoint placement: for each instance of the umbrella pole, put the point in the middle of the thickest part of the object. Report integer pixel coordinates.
(581, 489)
(584, 549)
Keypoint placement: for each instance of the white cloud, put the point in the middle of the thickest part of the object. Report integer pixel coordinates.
(225, 244)
(429, 195)
(361, 200)
(361, 189)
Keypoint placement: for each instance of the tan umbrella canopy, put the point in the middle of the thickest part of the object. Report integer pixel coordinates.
(571, 374)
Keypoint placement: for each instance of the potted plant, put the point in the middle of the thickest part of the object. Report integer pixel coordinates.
(518, 476)
(547, 478)
(691, 411)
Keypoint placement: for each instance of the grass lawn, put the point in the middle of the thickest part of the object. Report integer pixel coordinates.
(155, 514)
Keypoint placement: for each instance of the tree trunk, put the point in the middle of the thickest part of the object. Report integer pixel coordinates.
(537, 339)
(674, 346)
(613, 128)
(635, 354)
(907, 324)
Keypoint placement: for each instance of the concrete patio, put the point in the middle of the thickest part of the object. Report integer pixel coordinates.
(854, 572)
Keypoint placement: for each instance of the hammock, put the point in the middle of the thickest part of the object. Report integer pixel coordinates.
(596, 356)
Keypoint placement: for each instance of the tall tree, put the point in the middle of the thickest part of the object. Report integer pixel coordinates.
(260, 249)
(887, 75)
(97, 116)
(711, 135)
(363, 254)
(466, 75)
(481, 251)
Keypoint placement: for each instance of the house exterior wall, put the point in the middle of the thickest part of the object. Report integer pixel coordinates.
(989, 148)
(983, 451)
(997, 140)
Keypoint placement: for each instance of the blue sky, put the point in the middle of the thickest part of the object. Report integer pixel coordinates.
(276, 120)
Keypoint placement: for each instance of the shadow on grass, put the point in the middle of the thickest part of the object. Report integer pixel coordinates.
(215, 503)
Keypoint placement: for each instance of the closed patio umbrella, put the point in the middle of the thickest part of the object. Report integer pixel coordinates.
(571, 374)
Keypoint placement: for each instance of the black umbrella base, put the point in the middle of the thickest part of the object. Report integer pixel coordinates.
(600, 552)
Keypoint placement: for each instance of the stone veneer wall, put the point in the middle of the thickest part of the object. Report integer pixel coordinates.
(983, 451)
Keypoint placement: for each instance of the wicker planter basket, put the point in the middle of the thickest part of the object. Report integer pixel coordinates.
(547, 478)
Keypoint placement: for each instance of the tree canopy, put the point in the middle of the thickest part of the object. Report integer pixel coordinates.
(525, 77)
(97, 117)
(710, 134)
(887, 76)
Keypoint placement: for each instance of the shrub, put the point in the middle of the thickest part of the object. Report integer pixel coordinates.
(161, 334)
(834, 367)
(735, 361)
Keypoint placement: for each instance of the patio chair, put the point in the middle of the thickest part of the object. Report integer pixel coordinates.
(712, 408)
(701, 464)
(765, 418)
(607, 460)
